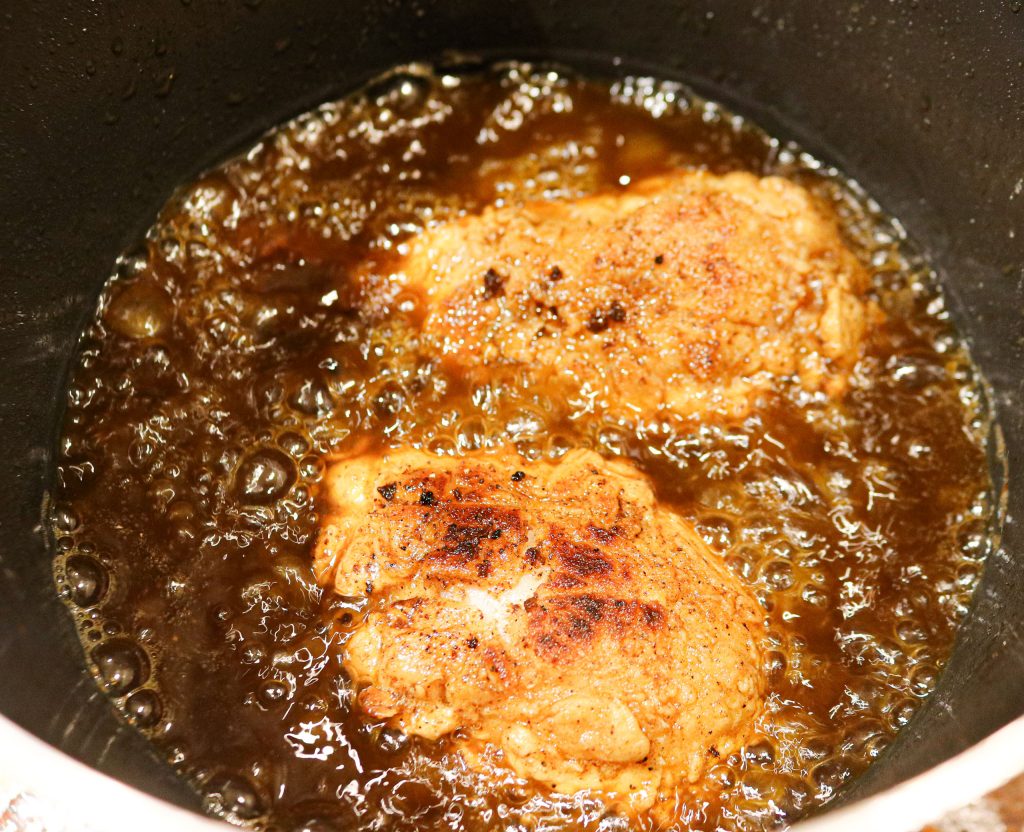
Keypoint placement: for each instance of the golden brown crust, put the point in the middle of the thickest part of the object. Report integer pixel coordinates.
(687, 294)
(552, 611)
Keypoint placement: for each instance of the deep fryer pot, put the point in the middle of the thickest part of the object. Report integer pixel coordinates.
(106, 106)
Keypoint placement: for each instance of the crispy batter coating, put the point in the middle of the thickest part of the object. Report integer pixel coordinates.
(688, 294)
(553, 611)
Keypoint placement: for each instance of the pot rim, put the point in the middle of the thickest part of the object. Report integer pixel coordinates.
(67, 794)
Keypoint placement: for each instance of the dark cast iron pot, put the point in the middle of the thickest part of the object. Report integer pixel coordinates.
(106, 106)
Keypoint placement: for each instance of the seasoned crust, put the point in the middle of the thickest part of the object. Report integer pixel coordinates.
(687, 294)
(552, 611)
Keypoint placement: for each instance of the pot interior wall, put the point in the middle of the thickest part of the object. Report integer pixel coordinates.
(106, 107)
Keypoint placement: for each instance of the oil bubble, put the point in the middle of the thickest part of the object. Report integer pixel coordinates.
(830, 776)
(404, 92)
(775, 664)
(121, 664)
(272, 692)
(389, 400)
(391, 741)
(254, 654)
(923, 680)
(64, 518)
(912, 373)
(220, 616)
(902, 713)
(268, 393)
(723, 776)
(144, 708)
(232, 796)
(559, 446)
(86, 580)
(973, 540)
(910, 631)
(778, 575)
(311, 467)
(875, 746)
(740, 566)
(313, 399)
(314, 705)
(471, 434)
(760, 753)
(293, 444)
(140, 311)
(443, 446)
(717, 532)
(863, 734)
(967, 576)
(264, 476)
(815, 750)
(525, 423)
(814, 596)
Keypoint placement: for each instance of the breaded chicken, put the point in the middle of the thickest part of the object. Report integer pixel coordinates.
(552, 612)
(687, 294)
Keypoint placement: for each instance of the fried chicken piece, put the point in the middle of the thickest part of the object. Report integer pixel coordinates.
(686, 294)
(552, 611)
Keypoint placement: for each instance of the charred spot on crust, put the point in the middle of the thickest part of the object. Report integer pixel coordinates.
(388, 491)
(457, 534)
(589, 606)
(550, 311)
(714, 752)
(579, 628)
(469, 529)
(427, 498)
(518, 476)
(494, 284)
(562, 626)
(483, 569)
(659, 259)
(555, 274)
(472, 643)
(604, 536)
(463, 541)
(577, 562)
(532, 556)
(548, 646)
(601, 319)
(653, 615)
(597, 321)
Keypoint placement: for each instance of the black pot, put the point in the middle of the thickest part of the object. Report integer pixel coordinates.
(106, 106)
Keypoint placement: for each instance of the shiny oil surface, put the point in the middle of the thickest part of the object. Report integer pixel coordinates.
(229, 356)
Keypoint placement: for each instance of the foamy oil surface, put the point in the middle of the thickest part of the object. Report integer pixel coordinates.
(226, 360)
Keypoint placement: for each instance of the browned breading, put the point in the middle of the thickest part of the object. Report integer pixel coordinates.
(553, 611)
(688, 294)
